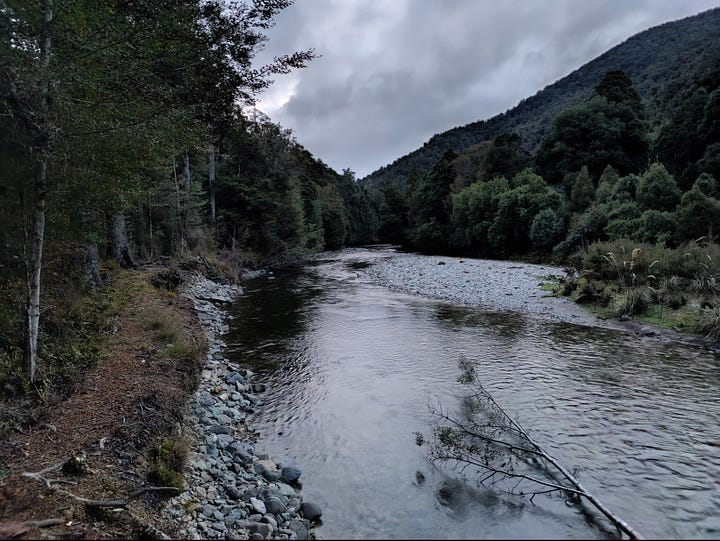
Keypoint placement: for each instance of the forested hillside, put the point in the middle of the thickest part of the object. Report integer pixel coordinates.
(665, 63)
(126, 133)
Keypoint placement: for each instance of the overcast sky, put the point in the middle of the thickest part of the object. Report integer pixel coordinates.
(394, 72)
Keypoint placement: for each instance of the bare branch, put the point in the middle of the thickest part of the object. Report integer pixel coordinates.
(488, 439)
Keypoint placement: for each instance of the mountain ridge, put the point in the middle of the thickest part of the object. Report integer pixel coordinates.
(664, 62)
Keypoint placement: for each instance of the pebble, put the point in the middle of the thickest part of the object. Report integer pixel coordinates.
(494, 285)
(229, 481)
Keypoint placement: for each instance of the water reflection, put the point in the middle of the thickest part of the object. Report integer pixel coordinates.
(352, 368)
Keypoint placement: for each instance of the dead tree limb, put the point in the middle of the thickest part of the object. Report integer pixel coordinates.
(499, 447)
(123, 502)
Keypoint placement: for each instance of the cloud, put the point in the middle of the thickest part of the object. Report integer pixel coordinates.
(392, 74)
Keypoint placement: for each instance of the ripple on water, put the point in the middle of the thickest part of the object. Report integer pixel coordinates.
(353, 368)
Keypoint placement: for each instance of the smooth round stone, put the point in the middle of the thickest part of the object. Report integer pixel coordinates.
(299, 529)
(290, 474)
(311, 511)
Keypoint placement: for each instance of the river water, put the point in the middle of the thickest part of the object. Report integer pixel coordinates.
(352, 369)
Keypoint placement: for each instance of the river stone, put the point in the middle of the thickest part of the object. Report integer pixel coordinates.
(234, 377)
(311, 511)
(274, 505)
(258, 505)
(286, 490)
(299, 529)
(259, 387)
(223, 440)
(219, 429)
(290, 474)
(232, 492)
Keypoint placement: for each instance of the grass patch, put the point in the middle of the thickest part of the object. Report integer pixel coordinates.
(167, 463)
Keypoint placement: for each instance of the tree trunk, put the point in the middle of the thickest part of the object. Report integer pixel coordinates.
(211, 182)
(35, 250)
(34, 265)
(121, 245)
(180, 215)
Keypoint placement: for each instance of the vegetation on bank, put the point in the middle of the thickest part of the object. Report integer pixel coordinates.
(594, 198)
(127, 133)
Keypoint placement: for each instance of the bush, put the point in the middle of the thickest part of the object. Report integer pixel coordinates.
(429, 237)
(167, 463)
(547, 228)
(709, 324)
(632, 301)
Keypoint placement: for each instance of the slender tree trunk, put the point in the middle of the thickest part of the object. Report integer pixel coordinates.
(211, 182)
(121, 244)
(150, 227)
(35, 250)
(180, 215)
(34, 269)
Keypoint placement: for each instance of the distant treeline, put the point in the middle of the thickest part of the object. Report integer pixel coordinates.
(595, 177)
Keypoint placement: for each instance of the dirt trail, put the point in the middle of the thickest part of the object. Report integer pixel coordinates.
(122, 409)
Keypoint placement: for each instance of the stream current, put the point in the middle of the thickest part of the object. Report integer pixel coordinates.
(353, 367)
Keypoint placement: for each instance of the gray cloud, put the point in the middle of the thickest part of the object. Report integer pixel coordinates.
(393, 73)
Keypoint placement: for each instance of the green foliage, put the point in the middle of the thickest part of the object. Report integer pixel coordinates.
(709, 324)
(393, 215)
(631, 301)
(657, 189)
(547, 228)
(474, 210)
(167, 463)
(697, 215)
(335, 223)
(432, 206)
(656, 227)
(430, 237)
(609, 130)
(588, 227)
(707, 184)
(583, 191)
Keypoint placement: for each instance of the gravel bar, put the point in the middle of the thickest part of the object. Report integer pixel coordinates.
(489, 284)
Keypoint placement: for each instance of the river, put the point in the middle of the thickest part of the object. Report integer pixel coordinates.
(353, 367)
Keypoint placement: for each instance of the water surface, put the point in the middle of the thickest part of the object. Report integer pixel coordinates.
(352, 368)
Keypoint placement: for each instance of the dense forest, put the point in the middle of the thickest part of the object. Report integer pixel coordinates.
(128, 134)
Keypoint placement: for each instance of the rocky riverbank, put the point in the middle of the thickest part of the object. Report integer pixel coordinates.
(503, 286)
(232, 491)
(495, 285)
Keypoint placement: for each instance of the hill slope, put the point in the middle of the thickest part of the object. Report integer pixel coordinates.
(663, 63)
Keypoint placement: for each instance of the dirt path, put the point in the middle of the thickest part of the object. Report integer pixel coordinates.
(121, 411)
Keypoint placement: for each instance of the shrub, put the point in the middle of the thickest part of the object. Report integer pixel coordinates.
(709, 324)
(631, 301)
(546, 229)
(167, 463)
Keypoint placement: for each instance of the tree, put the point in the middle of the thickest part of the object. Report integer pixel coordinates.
(393, 216)
(104, 92)
(609, 130)
(547, 228)
(484, 440)
(583, 191)
(657, 189)
(433, 205)
(697, 215)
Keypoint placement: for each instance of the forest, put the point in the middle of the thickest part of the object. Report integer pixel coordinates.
(129, 134)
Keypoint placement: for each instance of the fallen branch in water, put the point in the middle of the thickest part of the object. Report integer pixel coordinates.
(487, 438)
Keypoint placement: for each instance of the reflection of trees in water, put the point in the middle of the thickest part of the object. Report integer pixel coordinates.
(504, 324)
(270, 315)
(597, 356)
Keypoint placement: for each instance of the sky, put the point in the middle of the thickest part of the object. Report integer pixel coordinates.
(392, 73)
